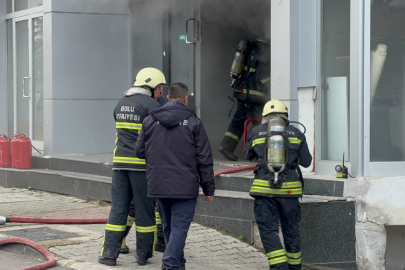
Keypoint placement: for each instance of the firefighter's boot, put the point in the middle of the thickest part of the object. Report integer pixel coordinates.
(107, 261)
(160, 245)
(140, 260)
(124, 248)
(228, 155)
(228, 146)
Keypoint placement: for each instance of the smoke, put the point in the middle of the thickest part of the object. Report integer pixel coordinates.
(224, 23)
(250, 18)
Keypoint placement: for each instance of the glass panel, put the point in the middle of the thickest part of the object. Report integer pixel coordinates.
(22, 43)
(9, 6)
(26, 4)
(335, 79)
(38, 78)
(10, 90)
(387, 81)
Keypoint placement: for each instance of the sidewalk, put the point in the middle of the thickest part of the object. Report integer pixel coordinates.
(78, 246)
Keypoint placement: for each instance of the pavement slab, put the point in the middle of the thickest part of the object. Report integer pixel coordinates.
(80, 245)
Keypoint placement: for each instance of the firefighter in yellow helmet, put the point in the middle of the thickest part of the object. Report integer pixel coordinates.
(129, 171)
(277, 187)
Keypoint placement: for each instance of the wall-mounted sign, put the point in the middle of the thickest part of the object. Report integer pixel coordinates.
(182, 37)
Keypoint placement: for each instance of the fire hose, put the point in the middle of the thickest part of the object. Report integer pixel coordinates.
(45, 265)
(235, 170)
(52, 221)
(48, 255)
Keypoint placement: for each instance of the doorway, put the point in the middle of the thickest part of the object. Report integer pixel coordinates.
(194, 42)
(28, 87)
(164, 36)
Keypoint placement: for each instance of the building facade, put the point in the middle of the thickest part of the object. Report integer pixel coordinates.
(338, 64)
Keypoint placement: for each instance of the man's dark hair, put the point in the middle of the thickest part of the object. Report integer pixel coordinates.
(178, 91)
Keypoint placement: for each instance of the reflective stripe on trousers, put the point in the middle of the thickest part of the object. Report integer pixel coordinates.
(294, 258)
(115, 228)
(148, 229)
(233, 136)
(276, 257)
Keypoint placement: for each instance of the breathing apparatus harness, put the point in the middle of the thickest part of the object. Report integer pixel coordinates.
(244, 56)
(276, 151)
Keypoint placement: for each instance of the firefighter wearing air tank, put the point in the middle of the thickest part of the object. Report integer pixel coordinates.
(280, 148)
(129, 172)
(250, 72)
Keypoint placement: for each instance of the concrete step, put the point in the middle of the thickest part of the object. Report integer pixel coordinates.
(322, 186)
(327, 225)
(78, 164)
(102, 165)
(70, 183)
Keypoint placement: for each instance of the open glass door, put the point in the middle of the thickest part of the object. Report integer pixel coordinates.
(28, 78)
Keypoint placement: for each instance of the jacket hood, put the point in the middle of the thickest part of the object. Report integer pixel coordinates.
(138, 90)
(172, 114)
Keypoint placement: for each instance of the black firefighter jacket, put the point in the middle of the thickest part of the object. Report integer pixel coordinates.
(129, 113)
(298, 153)
(254, 86)
(178, 153)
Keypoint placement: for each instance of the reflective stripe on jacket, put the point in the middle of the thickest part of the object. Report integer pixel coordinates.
(297, 152)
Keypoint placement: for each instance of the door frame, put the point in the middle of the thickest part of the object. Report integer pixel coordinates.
(37, 144)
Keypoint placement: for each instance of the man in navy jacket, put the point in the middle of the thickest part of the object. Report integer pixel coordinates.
(179, 160)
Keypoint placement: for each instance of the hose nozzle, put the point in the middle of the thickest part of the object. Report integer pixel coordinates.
(3, 220)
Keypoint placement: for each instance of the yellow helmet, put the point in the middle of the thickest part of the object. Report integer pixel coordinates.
(150, 77)
(274, 106)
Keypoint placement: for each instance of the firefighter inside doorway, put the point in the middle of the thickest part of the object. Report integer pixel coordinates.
(129, 172)
(251, 84)
(280, 148)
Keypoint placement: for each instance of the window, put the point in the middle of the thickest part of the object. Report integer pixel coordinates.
(335, 94)
(9, 6)
(387, 81)
(26, 4)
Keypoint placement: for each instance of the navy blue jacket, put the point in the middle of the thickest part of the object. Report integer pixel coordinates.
(178, 153)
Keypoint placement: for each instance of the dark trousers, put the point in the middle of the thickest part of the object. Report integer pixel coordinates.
(131, 221)
(269, 212)
(128, 185)
(235, 129)
(176, 215)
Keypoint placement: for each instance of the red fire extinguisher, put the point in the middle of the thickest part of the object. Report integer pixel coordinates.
(5, 151)
(21, 154)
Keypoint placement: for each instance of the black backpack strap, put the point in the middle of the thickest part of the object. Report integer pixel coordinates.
(300, 176)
